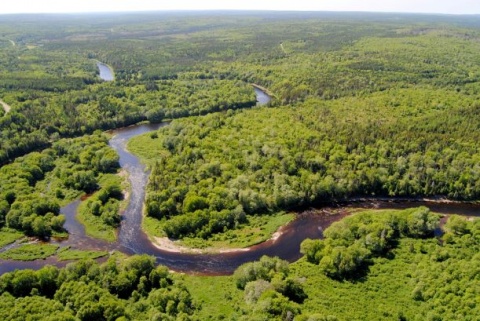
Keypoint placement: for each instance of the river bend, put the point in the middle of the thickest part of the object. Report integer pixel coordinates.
(132, 240)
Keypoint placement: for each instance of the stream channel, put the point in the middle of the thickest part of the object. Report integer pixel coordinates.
(132, 240)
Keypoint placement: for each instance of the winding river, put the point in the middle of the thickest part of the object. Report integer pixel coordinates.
(132, 240)
(262, 97)
(106, 73)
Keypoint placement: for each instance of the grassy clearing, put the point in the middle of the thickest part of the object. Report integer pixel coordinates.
(30, 252)
(72, 254)
(94, 225)
(152, 227)
(145, 147)
(389, 284)
(258, 230)
(8, 236)
(228, 300)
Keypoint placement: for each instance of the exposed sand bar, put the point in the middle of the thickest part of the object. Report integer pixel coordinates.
(5, 106)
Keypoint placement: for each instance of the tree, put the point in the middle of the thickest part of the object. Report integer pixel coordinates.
(254, 289)
(47, 280)
(421, 223)
(155, 115)
(23, 282)
(41, 228)
(264, 269)
(312, 249)
(193, 203)
(57, 222)
(456, 225)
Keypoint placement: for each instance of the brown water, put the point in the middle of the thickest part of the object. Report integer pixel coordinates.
(132, 240)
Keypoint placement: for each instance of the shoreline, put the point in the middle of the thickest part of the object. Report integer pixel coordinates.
(172, 246)
(393, 199)
(110, 68)
(265, 90)
(169, 245)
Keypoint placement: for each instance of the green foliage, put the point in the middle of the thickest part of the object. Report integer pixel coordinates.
(29, 252)
(420, 279)
(268, 290)
(45, 116)
(100, 213)
(133, 288)
(96, 226)
(461, 232)
(33, 307)
(33, 187)
(350, 244)
(372, 105)
(264, 269)
(104, 204)
(8, 236)
(360, 146)
(204, 223)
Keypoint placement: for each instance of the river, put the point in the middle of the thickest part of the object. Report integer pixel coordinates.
(106, 73)
(262, 97)
(132, 240)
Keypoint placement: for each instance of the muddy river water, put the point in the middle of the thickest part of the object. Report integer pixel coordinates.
(132, 240)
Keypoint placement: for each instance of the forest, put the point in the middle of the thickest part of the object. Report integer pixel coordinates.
(362, 106)
(390, 258)
(404, 139)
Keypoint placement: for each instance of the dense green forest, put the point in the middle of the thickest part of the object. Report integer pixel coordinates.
(45, 116)
(51, 81)
(398, 142)
(363, 105)
(396, 271)
(33, 187)
(205, 64)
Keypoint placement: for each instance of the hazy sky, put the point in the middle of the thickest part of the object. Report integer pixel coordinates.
(423, 6)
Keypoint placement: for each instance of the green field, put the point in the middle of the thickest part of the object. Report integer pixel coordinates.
(29, 252)
(257, 230)
(9, 236)
(72, 254)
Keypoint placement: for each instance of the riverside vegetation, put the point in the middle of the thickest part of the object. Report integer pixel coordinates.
(388, 258)
(363, 105)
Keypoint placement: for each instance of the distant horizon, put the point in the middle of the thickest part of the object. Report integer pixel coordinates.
(434, 7)
(230, 11)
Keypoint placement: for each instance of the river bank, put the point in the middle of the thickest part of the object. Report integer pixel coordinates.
(263, 89)
(174, 246)
(309, 223)
(106, 72)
